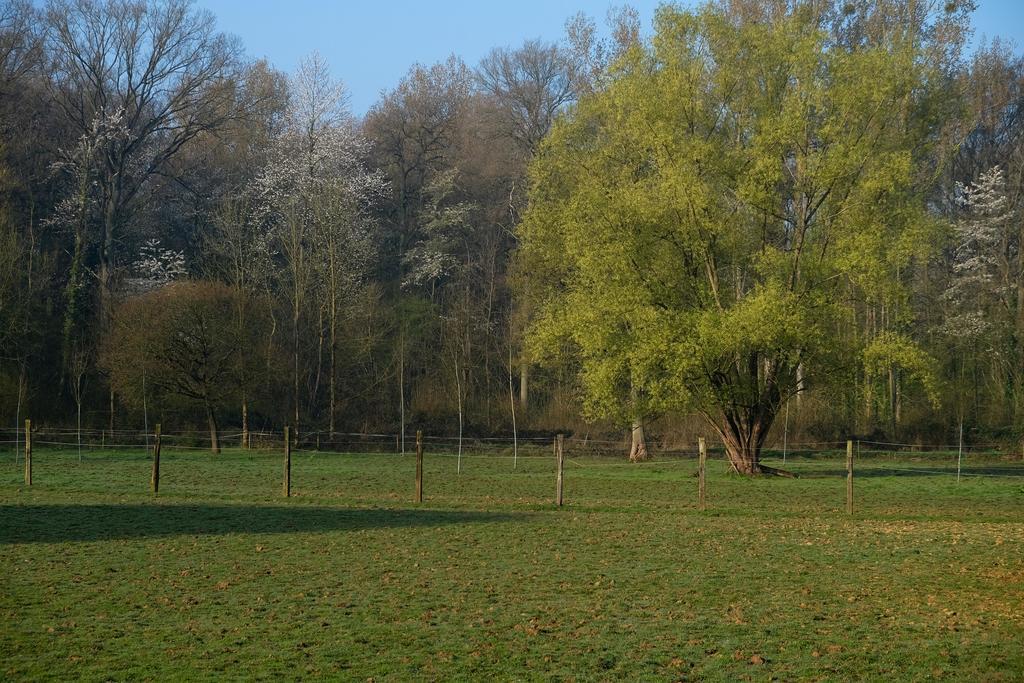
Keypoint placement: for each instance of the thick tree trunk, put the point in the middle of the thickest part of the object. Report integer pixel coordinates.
(212, 419)
(638, 445)
(743, 437)
(744, 456)
(799, 384)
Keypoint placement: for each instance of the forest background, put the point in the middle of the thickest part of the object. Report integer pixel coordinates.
(194, 235)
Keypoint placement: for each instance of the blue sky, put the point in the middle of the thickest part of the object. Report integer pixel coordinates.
(370, 45)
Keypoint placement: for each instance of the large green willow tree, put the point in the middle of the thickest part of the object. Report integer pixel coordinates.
(706, 225)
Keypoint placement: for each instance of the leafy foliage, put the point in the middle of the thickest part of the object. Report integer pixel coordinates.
(701, 232)
(178, 339)
(772, 200)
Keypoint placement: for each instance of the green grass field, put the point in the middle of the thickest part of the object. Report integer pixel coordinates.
(220, 577)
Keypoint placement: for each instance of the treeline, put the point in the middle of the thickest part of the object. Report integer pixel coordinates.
(197, 237)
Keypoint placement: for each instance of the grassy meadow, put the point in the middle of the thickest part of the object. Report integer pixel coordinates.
(220, 577)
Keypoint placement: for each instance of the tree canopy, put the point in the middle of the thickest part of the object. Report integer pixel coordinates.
(179, 340)
(704, 225)
(760, 203)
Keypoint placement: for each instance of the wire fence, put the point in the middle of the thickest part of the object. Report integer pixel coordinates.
(807, 460)
(369, 469)
(614, 450)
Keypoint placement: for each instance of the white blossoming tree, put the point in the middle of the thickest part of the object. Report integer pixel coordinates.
(985, 289)
(314, 196)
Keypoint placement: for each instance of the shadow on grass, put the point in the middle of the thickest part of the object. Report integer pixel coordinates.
(62, 523)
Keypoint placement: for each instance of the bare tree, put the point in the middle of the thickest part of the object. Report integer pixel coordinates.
(163, 70)
(531, 85)
(592, 55)
(24, 277)
(21, 44)
(415, 132)
(241, 254)
(314, 193)
(344, 250)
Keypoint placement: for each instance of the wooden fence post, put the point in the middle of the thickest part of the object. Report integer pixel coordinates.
(28, 452)
(154, 481)
(559, 457)
(419, 466)
(702, 459)
(287, 463)
(849, 477)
